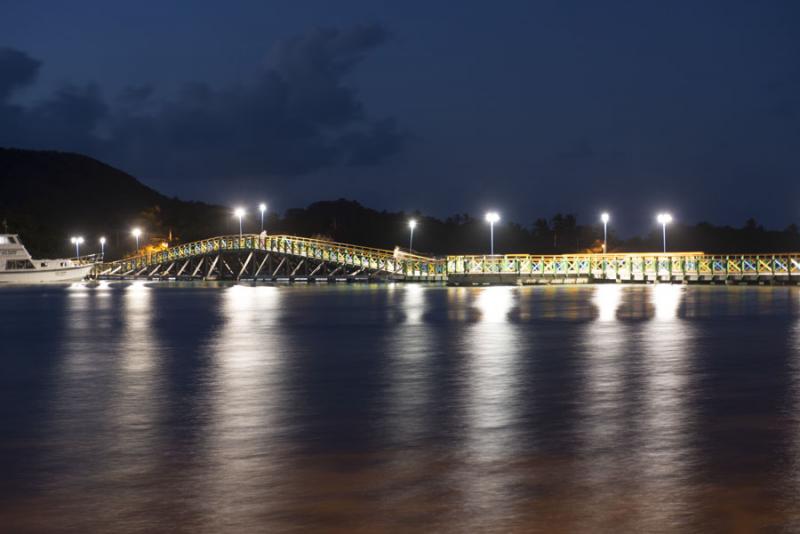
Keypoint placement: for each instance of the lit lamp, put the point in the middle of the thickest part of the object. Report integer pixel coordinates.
(664, 219)
(605, 218)
(102, 246)
(239, 212)
(262, 208)
(136, 232)
(77, 242)
(492, 217)
(411, 225)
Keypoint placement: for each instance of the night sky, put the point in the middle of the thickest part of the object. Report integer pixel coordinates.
(527, 107)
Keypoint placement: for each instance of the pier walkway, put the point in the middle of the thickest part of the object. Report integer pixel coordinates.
(675, 267)
(293, 258)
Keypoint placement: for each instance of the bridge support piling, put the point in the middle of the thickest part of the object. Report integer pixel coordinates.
(244, 266)
(212, 267)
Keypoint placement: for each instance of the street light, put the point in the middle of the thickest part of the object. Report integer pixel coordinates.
(262, 208)
(239, 212)
(136, 233)
(77, 242)
(664, 219)
(102, 246)
(605, 217)
(492, 217)
(411, 225)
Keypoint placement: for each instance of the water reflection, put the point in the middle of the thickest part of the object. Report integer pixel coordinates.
(105, 412)
(791, 502)
(601, 416)
(492, 399)
(244, 456)
(410, 377)
(407, 407)
(664, 456)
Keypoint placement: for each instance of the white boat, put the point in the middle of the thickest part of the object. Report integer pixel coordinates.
(17, 266)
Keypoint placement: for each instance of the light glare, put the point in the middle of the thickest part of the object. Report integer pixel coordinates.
(492, 217)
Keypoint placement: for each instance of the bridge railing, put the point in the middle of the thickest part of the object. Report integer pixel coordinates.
(629, 265)
(393, 262)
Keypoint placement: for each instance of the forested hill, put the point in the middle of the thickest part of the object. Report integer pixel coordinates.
(49, 196)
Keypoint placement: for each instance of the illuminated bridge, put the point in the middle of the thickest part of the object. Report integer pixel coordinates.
(292, 258)
(274, 257)
(676, 267)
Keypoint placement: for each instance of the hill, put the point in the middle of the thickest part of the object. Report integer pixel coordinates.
(48, 196)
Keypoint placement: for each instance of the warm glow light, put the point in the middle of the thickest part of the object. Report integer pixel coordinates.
(238, 212)
(492, 217)
(666, 300)
(607, 298)
(76, 240)
(605, 217)
(664, 218)
(102, 240)
(495, 303)
(261, 207)
(412, 224)
(136, 232)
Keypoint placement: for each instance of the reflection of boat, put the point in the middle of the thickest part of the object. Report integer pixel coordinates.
(17, 266)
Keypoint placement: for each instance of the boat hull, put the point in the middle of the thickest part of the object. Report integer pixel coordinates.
(46, 276)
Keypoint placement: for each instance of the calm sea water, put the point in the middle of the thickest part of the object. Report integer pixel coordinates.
(136, 407)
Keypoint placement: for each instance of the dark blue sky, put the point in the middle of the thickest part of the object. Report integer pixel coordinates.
(526, 107)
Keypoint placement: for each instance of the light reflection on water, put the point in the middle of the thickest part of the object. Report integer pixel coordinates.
(128, 407)
(664, 456)
(491, 382)
(244, 447)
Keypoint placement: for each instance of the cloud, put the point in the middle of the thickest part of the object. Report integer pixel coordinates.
(296, 116)
(17, 69)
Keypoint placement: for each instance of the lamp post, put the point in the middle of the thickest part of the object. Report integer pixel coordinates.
(492, 217)
(102, 247)
(664, 219)
(411, 225)
(239, 212)
(136, 232)
(605, 217)
(262, 208)
(77, 242)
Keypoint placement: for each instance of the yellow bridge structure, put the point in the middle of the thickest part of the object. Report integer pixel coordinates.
(275, 257)
(292, 258)
(625, 267)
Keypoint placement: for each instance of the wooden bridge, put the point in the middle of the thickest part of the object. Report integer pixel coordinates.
(274, 257)
(676, 267)
(292, 258)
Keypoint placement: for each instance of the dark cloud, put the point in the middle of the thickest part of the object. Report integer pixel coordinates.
(17, 69)
(370, 148)
(297, 115)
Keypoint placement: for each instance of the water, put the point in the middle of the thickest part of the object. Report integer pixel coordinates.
(135, 407)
